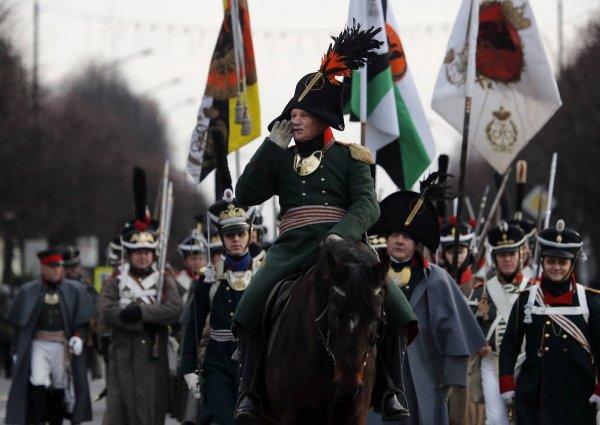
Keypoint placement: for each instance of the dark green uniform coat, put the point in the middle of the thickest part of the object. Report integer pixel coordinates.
(220, 372)
(340, 181)
(554, 388)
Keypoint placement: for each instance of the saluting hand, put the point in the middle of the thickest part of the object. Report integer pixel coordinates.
(281, 133)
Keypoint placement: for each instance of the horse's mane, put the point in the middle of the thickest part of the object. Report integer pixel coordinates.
(356, 260)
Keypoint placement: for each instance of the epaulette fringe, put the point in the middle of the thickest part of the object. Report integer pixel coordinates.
(358, 152)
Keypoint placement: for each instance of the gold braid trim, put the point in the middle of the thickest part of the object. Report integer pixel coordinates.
(358, 152)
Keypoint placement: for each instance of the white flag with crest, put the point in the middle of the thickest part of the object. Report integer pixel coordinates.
(514, 92)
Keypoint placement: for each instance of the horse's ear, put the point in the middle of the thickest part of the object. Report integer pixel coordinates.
(381, 268)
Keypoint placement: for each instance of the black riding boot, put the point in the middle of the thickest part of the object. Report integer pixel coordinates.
(56, 410)
(39, 402)
(389, 397)
(249, 406)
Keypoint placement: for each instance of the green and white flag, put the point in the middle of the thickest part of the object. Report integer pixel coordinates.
(513, 90)
(397, 129)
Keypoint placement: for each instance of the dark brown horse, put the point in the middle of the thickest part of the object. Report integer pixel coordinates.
(321, 366)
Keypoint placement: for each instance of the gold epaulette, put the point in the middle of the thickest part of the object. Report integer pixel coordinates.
(358, 152)
(592, 290)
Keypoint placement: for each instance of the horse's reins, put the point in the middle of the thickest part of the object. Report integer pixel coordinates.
(325, 338)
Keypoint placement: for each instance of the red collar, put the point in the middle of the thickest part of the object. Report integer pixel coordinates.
(563, 299)
(466, 276)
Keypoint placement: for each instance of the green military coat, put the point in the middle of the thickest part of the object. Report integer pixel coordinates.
(340, 182)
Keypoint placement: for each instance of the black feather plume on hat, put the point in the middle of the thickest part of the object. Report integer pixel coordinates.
(139, 193)
(222, 166)
(349, 51)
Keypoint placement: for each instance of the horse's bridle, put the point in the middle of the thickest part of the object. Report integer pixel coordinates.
(324, 337)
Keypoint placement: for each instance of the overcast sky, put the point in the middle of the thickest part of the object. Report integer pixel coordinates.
(289, 39)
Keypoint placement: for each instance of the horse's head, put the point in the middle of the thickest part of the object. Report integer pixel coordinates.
(351, 320)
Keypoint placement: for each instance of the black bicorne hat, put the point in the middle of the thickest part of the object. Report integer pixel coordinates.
(447, 235)
(505, 237)
(71, 256)
(320, 93)
(397, 209)
(229, 216)
(560, 241)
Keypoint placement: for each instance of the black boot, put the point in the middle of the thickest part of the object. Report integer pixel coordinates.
(389, 397)
(39, 402)
(56, 410)
(249, 406)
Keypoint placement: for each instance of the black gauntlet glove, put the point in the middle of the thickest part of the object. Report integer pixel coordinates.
(131, 314)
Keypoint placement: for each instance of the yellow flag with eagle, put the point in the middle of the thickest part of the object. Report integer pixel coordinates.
(230, 103)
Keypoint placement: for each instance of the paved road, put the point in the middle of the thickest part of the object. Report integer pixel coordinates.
(98, 407)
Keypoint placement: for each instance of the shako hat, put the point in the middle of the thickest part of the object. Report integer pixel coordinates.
(560, 241)
(229, 216)
(114, 251)
(505, 237)
(51, 256)
(195, 242)
(140, 233)
(320, 93)
(447, 233)
(526, 225)
(397, 209)
(71, 256)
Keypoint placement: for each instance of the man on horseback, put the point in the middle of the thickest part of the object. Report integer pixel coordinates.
(325, 189)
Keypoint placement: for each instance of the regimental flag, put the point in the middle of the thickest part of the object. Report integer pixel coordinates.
(231, 90)
(396, 127)
(514, 92)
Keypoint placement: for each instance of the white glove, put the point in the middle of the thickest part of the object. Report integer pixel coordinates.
(76, 345)
(193, 383)
(14, 358)
(329, 239)
(595, 399)
(508, 397)
(281, 133)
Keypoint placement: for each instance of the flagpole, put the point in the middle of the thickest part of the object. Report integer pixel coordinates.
(472, 41)
(363, 105)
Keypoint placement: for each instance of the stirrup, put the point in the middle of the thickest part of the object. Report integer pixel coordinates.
(392, 409)
(248, 408)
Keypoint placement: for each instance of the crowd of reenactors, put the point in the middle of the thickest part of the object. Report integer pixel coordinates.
(505, 337)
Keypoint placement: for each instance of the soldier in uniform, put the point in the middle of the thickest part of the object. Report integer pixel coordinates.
(325, 190)
(505, 243)
(193, 251)
(49, 315)
(438, 358)
(138, 316)
(72, 265)
(560, 321)
(463, 403)
(465, 258)
(219, 295)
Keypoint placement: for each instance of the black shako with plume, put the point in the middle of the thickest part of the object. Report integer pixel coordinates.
(320, 93)
(223, 175)
(140, 233)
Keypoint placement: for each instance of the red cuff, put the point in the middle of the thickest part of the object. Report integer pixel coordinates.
(597, 389)
(77, 334)
(507, 383)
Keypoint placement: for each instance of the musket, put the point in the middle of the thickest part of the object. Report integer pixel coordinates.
(166, 212)
(486, 226)
(481, 211)
(536, 254)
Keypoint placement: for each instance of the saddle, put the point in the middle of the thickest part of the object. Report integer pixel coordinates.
(276, 305)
